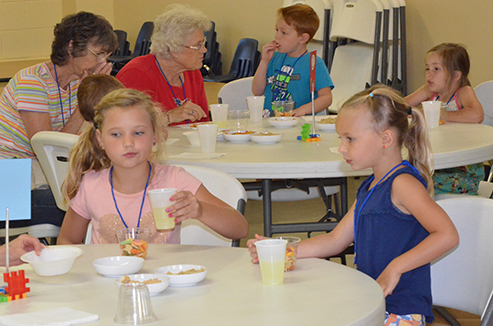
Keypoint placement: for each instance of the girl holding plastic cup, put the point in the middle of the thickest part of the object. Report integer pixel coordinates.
(109, 180)
(447, 66)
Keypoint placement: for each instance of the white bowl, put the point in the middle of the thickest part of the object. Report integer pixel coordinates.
(326, 123)
(154, 288)
(238, 136)
(54, 260)
(266, 138)
(118, 265)
(182, 280)
(283, 122)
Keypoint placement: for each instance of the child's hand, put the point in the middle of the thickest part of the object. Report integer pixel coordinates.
(253, 249)
(388, 280)
(268, 51)
(186, 206)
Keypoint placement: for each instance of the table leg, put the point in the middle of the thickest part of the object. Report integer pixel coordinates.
(267, 203)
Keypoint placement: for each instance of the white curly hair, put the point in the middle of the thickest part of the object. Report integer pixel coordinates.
(174, 26)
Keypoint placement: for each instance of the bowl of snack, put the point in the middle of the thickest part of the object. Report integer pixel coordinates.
(54, 260)
(183, 275)
(156, 283)
(283, 122)
(266, 138)
(238, 136)
(326, 124)
(118, 265)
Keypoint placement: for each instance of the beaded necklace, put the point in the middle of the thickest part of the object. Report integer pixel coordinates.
(177, 101)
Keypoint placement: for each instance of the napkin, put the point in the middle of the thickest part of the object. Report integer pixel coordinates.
(51, 317)
(334, 150)
(198, 156)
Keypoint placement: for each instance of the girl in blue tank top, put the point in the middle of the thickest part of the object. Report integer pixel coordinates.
(396, 227)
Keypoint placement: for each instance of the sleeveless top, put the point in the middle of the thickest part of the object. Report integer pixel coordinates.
(452, 104)
(385, 233)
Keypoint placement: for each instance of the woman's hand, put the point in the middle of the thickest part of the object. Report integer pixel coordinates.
(253, 249)
(186, 206)
(103, 68)
(187, 111)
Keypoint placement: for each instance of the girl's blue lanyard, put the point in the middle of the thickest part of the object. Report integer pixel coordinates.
(60, 96)
(356, 216)
(281, 82)
(450, 99)
(178, 102)
(143, 197)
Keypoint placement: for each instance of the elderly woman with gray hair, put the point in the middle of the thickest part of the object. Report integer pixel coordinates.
(170, 73)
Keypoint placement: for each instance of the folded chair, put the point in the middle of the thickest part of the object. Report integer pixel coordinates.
(463, 278)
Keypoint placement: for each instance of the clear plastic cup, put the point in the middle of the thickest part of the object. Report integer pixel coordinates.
(283, 108)
(271, 256)
(133, 241)
(159, 199)
(134, 305)
(238, 120)
(291, 252)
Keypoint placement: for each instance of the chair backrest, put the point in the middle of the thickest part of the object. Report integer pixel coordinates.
(52, 149)
(484, 92)
(143, 42)
(463, 278)
(123, 44)
(245, 58)
(235, 93)
(224, 187)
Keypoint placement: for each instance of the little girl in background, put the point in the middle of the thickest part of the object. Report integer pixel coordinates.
(447, 67)
(112, 167)
(396, 227)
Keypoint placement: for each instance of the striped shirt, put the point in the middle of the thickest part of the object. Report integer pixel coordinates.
(32, 89)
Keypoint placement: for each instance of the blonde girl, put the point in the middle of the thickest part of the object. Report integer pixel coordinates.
(114, 164)
(396, 227)
(447, 69)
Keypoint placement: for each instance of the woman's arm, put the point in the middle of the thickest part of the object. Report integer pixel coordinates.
(211, 211)
(35, 122)
(409, 195)
(323, 101)
(421, 94)
(472, 111)
(73, 230)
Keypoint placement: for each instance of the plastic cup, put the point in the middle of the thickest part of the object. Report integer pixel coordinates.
(271, 257)
(208, 136)
(160, 202)
(134, 305)
(219, 114)
(193, 138)
(283, 108)
(431, 110)
(238, 119)
(133, 241)
(291, 252)
(256, 107)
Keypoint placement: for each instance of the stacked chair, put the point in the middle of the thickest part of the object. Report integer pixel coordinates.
(364, 43)
(212, 59)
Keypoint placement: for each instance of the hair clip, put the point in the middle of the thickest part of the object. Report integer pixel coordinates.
(371, 94)
(95, 126)
(409, 110)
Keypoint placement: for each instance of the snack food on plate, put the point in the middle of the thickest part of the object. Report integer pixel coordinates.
(328, 120)
(187, 272)
(127, 280)
(133, 247)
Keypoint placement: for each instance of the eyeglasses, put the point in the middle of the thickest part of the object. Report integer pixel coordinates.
(99, 56)
(197, 46)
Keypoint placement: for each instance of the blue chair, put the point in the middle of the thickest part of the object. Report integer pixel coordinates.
(244, 64)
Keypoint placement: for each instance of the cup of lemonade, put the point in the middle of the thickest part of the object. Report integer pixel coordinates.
(160, 202)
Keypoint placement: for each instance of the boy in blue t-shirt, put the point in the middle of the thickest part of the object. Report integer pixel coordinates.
(285, 75)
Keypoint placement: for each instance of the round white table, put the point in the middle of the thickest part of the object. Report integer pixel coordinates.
(453, 144)
(316, 292)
